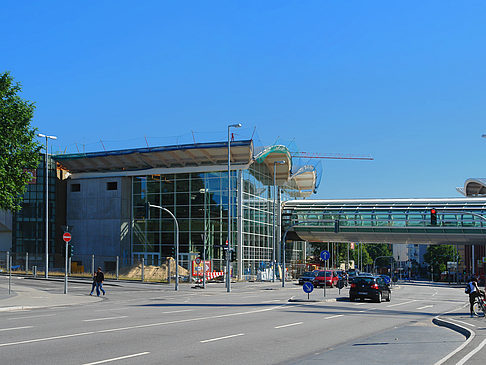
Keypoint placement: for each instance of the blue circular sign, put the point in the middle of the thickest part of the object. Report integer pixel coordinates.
(308, 287)
(325, 255)
(387, 279)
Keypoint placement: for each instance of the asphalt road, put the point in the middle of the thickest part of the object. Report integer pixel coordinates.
(255, 323)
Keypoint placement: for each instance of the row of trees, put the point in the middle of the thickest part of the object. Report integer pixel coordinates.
(436, 256)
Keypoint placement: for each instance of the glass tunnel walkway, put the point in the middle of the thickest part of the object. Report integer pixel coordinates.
(459, 220)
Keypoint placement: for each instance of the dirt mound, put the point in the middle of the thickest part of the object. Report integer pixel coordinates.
(153, 272)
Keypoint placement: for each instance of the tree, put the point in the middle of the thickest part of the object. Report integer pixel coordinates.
(379, 250)
(19, 150)
(437, 256)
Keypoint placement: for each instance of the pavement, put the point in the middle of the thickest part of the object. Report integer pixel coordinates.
(24, 297)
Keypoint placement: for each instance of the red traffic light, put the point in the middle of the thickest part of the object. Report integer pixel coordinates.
(433, 211)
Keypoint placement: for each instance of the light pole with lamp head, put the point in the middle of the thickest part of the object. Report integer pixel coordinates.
(274, 228)
(47, 200)
(228, 256)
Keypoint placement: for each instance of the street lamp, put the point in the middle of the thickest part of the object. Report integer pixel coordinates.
(47, 201)
(274, 228)
(228, 258)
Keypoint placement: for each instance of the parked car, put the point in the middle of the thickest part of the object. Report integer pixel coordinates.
(307, 276)
(371, 287)
(329, 277)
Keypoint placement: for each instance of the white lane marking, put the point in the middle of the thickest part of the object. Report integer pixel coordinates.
(456, 320)
(425, 306)
(272, 301)
(145, 325)
(179, 311)
(14, 328)
(38, 297)
(40, 315)
(117, 358)
(110, 309)
(222, 338)
(288, 325)
(336, 316)
(464, 344)
(103, 319)
(471, 354)
(359, 303)
(395, 305)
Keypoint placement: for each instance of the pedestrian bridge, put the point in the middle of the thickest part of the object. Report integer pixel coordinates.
(459, 220)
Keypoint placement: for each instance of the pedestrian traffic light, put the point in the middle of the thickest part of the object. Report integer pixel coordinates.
(336, 226)
(147, 210)
(71, 250)
(232, 255)
(433, 217)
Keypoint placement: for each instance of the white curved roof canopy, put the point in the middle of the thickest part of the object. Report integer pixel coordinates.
(474, 187)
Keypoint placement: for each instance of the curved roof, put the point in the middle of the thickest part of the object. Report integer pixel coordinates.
(303, 182)
(272, 154)
(474, 187)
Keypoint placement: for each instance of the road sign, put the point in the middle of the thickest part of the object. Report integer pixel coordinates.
(308, 287)
(325, 255)
(66, 236)
(198, 260)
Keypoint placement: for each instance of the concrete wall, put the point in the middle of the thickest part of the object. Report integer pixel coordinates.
(99, 219)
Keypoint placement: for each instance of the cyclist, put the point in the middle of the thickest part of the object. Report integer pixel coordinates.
(474, 292)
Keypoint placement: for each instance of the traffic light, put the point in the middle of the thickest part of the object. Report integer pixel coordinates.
(232, 255)
(433, 217)
(71, 250)
(336, 226)
(147, 210)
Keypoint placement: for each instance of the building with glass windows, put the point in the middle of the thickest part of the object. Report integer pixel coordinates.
(107, 192)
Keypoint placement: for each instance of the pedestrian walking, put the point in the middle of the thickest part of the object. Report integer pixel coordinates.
(93, 284)
(100, 277)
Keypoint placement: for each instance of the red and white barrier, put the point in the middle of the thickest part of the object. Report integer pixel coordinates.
(214, 274)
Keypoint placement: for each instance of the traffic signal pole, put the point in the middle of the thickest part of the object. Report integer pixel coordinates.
(66, 269)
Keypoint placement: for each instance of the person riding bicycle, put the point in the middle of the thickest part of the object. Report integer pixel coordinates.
(474, 292)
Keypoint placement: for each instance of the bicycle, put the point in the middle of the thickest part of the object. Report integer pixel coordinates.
(479, 307)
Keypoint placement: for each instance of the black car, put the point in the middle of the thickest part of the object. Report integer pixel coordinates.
(307, 276)
(371, 287)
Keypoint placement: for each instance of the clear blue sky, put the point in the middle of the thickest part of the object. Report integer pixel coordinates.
(404, 81)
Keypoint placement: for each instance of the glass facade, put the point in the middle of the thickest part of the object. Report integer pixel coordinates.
(28, 233)
(199, 201)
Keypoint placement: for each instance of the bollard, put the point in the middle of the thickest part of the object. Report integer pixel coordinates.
(9, 274)
(7, 261)
(93, 270)
(168, 271)
(34, 271)
(143, 267)
(117, 266)
(26, 263)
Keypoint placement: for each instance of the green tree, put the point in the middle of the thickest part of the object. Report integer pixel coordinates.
(437, 256)
(379, 250)
(19, 150)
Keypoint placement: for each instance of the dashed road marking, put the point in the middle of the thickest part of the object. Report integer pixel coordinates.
(222, 338)
(289, 325)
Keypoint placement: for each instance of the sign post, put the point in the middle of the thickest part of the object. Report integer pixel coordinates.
(66, 237)
(324, 257)
(308, 287)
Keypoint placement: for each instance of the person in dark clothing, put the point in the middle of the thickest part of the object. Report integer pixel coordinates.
(100, 277)
(93, 285)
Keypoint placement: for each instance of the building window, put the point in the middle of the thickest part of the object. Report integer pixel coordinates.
(75, 187)
(112, 185)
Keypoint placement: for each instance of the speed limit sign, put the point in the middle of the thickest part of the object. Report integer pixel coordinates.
(198, 260)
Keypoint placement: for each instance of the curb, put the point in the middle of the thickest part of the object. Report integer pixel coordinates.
(292, 300)
(455, 327)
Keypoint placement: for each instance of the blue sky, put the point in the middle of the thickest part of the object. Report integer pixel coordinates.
(403, 81)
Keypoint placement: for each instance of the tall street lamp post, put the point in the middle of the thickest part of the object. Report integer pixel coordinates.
(47, 201)
(274, 228)
(228, 255)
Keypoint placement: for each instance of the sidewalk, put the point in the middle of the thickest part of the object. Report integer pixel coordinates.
(26, 298)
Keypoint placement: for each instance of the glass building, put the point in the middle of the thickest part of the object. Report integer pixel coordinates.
(109, 190)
